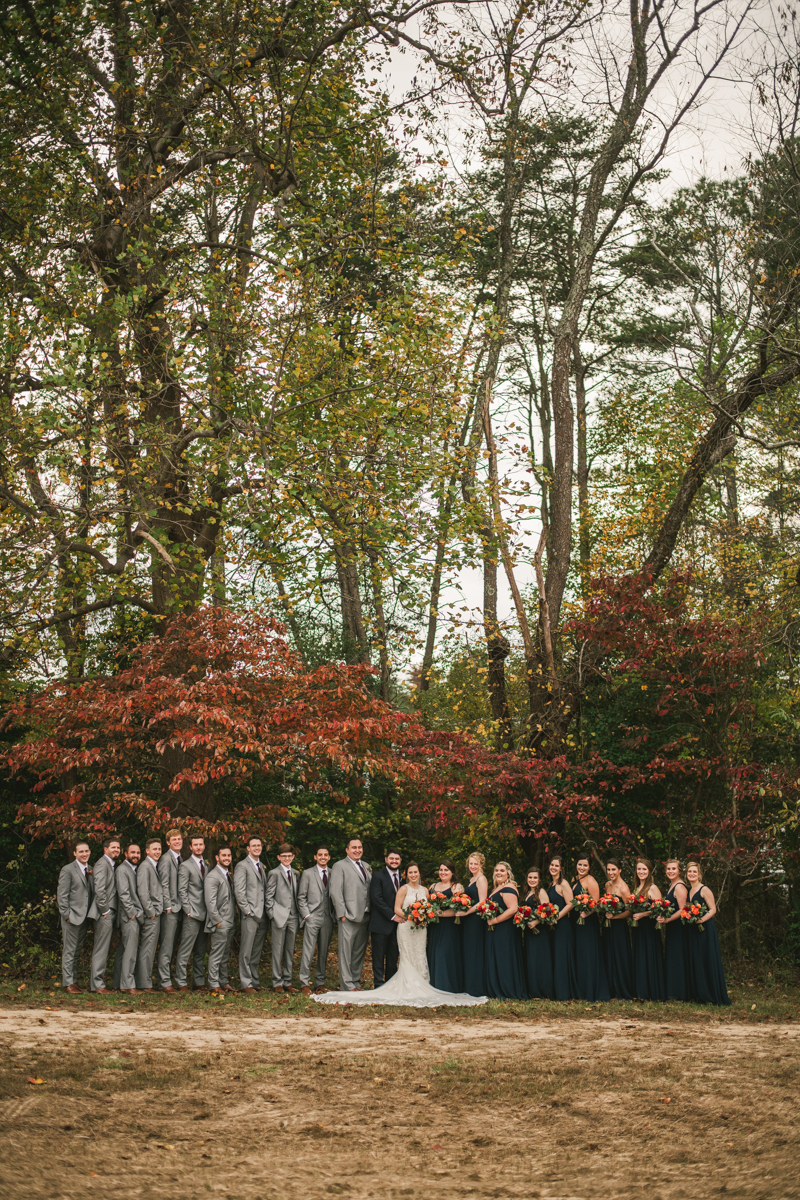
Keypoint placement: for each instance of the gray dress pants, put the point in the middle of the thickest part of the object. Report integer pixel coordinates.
(170, 924)
(251, 944)
(72, 937)
(125, 958)
(316, 936)
(193, 945)
(148, 940)
(283, 953)
(353, 939)
(103, 934)
(219, 949)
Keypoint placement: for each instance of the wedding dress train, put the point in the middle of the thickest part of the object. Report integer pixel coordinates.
(410, 985)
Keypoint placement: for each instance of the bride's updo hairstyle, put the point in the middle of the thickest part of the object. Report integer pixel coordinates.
(451, 866)
(481, 859)
(646, 884)
(419, 868)
(507, 866)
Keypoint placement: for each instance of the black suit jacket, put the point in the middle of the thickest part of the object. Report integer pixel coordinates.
(381, 902)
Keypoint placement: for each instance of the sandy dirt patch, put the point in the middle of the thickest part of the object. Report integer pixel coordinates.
(186, 1105)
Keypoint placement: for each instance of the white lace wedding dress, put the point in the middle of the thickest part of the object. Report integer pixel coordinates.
(410, 985)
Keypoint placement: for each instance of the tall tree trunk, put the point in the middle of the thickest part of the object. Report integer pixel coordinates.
(354, 634)
(382, 637)
(584, 533)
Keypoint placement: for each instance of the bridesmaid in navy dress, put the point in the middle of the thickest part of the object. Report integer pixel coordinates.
(444, 939)
(473, 937)
(505, 975)
(648, 957)
(537, 946)
(565, 984)
(616, 943)
(590, 970)
(705, 960)
(676, 944)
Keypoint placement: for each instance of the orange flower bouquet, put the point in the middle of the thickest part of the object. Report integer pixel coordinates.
(522, 918)
(487, 910)
(664, 908)
(610, 906)
(584, 906)
(458, 904)
(691, 914)
(546, 914)
(641, 903)
(420, 914)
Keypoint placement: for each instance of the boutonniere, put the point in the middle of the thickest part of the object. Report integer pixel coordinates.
(88, 870)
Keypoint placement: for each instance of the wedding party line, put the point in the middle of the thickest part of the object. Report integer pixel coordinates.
(450, 943)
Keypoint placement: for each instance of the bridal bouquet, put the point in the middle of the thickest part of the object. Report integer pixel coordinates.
(691, 914)
(546, 914)
(584, 905)
(640, 902)
(420, 914)
(488, 910)
(523, 916)
(610, 905)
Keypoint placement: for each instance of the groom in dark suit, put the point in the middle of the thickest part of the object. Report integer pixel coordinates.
(383, 922)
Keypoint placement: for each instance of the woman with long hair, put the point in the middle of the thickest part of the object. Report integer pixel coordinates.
(473, 937)
(565, 984)
(705, 960)
(676, 944)
(616, 941)
(445, 962)
(590, 970)
(536, 945)
(505, 976)
(648, 957)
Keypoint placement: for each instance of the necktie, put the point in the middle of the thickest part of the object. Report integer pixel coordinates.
(363, 872)
(202, 869)
(289, 878)
(258, 864)
(324, 878)
(394, 881)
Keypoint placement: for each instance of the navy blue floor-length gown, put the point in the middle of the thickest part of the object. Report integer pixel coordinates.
(617, 955)
(676, 954)
(648, 961)
(505, 975)
(538, 953)
(444, 952)
(565, 985)
(705, 961)
(473, 945)
(590, 971)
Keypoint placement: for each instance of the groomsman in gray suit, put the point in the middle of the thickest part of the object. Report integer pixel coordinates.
(316, 916)
(281, 906)
(350, 880)
(129, 918)
(191, 889)
(168, 866)
(77, 907)
(105, 898)
(220, 919)
(151, 899)
(250, 887)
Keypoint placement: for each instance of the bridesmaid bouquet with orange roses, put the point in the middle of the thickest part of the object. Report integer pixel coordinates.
(691, 914)
(547, 913)
(523, 916)
(664, 908)
(459, 904)
(610, 905)
(439, 902)
(584, 906)
(487, 910)
(640, 903)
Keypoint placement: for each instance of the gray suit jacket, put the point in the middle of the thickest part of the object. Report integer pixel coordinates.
(313, 898)
(129, 903)
(105, 885)
(349, 891)
(281, 898)
(168, 874)
(250, 890)
(75, 894)
(220, 908)
(190, 889)
(148, 885)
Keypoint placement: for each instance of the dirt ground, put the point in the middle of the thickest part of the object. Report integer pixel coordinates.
(182, 1104)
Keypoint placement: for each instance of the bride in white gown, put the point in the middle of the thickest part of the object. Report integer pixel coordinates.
(410, 984)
